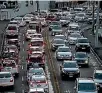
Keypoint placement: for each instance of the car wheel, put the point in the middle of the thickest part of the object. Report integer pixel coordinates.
(62, 77)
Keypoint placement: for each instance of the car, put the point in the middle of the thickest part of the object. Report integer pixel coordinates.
(11, 66)
(39, 81)
(82, 44)
(6, 79)
(51, 17)
(61, 37)
(56, 30)
(53, 24)
(63, 53)
(36, 35)
(80, 17)
(35, 48)
(37, 42)
(43, 22)
(29, 33)
(72, 38)
(69, 69)
(34, 71)
(55, 43)
(12, 30)
(14, 22)
(73, 27)
(38, 90)
(85, 85)
(28, 17)
(82, 58)
(13, 41)
(11, 55)
(97, 77)
(37, 58)
(20, 20)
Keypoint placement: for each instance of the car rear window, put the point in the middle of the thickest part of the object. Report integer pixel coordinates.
(37, 43)
(6, 75)
(12, 28)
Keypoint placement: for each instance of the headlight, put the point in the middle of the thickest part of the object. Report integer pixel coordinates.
(97, 83)
(77, 71)
(86, 61)
(59, 55)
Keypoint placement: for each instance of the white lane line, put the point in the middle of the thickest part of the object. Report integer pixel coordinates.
(22, 91)
(23, 42)
(23, 49)
(22, 78)
(22, 67)
(23, 35)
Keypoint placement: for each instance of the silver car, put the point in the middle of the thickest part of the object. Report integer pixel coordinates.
(63, 52)
(72, 38)
(6, 79)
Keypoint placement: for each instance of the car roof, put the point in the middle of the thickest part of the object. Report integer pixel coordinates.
(33, 22)
(36, 39)
(85, 80)
(57, 39)
(73, 24)
(98, 71)
(30, 30)
(12, 25)
(13, 21)
(63, 47)
(68, 61)
(82, 38)
(5, 72)
(38, 76)
(59, 35)
(36, 68)
(36, 89)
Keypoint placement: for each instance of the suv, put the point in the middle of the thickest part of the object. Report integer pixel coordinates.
(85, 85)
(70, 69)
(82, 45)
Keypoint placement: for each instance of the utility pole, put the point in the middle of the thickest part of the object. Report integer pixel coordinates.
(97, 26)
(93, 21)
(37, 2)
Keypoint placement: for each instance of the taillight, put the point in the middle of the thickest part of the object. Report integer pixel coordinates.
(11, 80)
(29, 52)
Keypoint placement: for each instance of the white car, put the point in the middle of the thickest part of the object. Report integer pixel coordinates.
(43, 21)
(11, 66)
(63, 52)
(14, 22)
(29, 33)
(37, 35)
(39, 81)
(28, 17)
(6, 79)
(72, 38)
(21, 21)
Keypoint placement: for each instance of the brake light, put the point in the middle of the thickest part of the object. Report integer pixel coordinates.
(11, 80)
(29, 45)
(29, 52)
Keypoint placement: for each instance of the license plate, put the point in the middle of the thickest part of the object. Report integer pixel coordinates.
(38, 85)
(83, 48)
(70, 75)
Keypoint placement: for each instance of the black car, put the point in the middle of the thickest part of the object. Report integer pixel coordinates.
(69, 69)
(82, 45)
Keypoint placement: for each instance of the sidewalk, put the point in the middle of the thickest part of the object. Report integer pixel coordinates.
(91, 37)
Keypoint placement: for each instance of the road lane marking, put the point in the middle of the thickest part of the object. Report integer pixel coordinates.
(22, 67)
(23, 42)
(22, 91)
(22, 78)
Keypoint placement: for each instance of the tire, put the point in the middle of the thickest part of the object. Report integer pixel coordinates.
(62, 77)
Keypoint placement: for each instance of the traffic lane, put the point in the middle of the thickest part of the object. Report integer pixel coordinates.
(85, 72)
(18, 81)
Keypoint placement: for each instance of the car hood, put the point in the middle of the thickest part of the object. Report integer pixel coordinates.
(98, 81)
(70, 69)
(57, 30)
(87, 92)
(80, 59)
(64, 53)
(83, 43)
(72, 38)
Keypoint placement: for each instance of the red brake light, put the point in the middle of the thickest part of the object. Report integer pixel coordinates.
(11, 80)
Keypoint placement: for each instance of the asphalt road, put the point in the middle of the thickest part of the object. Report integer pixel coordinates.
(68, 85)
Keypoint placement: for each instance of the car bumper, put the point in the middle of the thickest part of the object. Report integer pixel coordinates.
(6, 85)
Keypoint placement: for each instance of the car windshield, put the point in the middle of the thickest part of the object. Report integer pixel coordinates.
(80, 55)
(36, 36)
(75, 35)
(37, 43)
(13, 23)
(98, 75)
(63, 50)
(35, 59)
(5, 75)
(73, 28)
(59, 42)
(12, 28)
(36, 71)
(39, 79)
(56, 27)
(86, 87)
(70, 65)
(60, 37)
(32, 26)
(18, 18)
(9, 54)
(9, 64)
(82, 40)
(54, 23)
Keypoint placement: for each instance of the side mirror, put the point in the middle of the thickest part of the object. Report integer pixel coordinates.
(74, 88)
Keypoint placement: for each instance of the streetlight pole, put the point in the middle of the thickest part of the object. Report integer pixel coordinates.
(37, 2)
(93, 21)
(97, 26)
